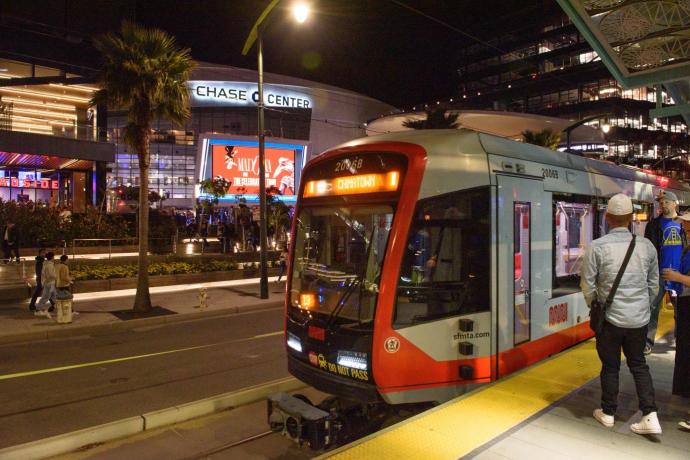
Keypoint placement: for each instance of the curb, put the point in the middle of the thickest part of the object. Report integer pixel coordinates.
(131, 324)
(68, 442)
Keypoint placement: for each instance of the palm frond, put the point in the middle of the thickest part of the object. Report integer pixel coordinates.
(436, 118)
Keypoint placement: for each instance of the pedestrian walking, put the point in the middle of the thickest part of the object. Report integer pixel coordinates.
(669, 239)
(63, 280)
(681, 368)
(48, 278)
(282, 262)
(38, 267)
(623, 269)
(63, 286)
(10, 242)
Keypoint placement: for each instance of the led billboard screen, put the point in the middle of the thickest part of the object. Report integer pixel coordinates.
(239, 164)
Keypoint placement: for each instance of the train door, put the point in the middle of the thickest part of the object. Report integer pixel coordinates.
(522, 239)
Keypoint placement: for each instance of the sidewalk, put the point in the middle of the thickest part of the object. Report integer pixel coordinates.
(100, 312)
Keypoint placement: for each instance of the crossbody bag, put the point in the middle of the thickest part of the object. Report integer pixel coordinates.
(597, 311)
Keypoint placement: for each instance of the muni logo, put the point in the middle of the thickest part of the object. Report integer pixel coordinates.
(672, 237)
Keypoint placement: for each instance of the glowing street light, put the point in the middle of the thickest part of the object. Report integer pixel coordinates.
(300, 13)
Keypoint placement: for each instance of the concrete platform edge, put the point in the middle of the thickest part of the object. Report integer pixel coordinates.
(183, 412)
(128, 325)
(68, 442)
(44, 448)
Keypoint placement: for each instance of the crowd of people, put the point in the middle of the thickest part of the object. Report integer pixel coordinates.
(53, 282)
(232, 227)
(622, 273)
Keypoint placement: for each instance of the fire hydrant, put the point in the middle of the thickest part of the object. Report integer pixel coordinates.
(202, 298)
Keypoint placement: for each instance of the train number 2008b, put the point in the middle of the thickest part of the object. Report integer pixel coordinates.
(549, 173)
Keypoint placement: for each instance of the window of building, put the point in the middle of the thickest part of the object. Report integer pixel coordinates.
(446, 266)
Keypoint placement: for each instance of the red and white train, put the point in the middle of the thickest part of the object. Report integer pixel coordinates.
(426, 262)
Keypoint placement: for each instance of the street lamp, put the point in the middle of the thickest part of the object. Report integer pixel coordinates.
(300, 12)
(605, 128)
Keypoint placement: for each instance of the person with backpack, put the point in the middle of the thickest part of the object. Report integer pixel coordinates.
(624, 271)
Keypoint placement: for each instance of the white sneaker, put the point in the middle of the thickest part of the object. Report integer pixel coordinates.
(649, 424)
(685, 424)
(39, 313)
(604, 419)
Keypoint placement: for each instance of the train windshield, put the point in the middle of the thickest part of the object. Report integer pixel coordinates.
(338, 254)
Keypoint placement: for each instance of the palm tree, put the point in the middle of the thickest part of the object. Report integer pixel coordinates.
(436, 118)
(545, 138)
(144, 73)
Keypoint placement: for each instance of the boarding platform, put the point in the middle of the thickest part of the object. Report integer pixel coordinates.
(544, 411)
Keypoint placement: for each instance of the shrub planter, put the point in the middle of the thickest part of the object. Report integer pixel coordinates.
(168, 280)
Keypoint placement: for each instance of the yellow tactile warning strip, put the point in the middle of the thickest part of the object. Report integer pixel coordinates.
(458, 427)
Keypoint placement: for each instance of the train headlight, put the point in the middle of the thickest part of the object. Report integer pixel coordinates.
(294, 342)
(353, 359)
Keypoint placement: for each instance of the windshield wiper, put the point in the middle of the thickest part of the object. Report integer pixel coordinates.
(343, 300)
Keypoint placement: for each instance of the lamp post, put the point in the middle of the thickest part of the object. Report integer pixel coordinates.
(300, 12)
(605, 128)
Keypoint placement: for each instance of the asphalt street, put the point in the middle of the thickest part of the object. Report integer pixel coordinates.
(53, 387)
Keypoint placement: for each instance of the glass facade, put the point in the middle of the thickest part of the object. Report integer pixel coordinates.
(546, 67)
(174, 149)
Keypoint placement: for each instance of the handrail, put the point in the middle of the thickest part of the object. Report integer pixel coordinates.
(110, 243)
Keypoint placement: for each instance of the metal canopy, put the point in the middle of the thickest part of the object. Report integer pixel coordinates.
(641, 42)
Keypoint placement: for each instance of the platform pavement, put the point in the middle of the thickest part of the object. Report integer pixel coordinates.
(95, 309)
(542, 412)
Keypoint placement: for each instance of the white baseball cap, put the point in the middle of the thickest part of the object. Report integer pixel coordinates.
(619, 205)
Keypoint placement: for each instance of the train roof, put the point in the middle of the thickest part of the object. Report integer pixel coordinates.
(435, 138)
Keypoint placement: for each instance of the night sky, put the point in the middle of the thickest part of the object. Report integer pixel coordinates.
(400, 51)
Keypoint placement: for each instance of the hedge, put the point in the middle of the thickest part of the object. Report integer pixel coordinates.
(107, 271)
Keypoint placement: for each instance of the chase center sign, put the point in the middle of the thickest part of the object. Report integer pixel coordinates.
(223, 93)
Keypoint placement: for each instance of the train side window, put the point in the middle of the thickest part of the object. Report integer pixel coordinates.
(642, 214)
(446, 267)
(573, 231)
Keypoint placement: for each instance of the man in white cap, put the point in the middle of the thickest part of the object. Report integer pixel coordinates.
(668, 237)
(625, 327)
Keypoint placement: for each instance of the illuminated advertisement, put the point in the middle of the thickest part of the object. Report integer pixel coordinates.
(27, 179)
(223, 93)
(236, 159)
(240, 166)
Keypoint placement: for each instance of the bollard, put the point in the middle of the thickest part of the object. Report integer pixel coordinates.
(202, 298)
(64, 311)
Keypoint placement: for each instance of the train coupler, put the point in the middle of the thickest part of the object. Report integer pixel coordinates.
(302, 422)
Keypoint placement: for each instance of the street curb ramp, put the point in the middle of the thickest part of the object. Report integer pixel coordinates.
(69, 442)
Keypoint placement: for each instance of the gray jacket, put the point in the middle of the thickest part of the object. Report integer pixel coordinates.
(640, 282)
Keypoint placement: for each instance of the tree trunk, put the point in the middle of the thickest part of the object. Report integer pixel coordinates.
(142, 300)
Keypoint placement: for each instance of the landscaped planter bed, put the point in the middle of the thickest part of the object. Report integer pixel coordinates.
(168, 280)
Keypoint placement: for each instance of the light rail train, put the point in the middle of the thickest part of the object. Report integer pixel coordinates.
(424, 263)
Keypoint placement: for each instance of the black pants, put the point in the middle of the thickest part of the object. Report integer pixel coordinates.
(37, 293)
(609, 344)
(681, 370)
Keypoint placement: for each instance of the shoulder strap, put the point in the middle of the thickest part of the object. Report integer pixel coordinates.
(617, 281)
